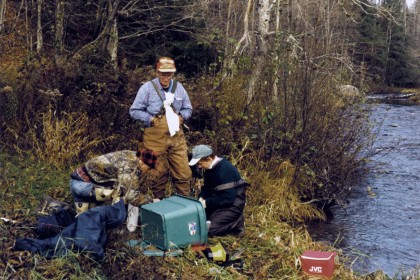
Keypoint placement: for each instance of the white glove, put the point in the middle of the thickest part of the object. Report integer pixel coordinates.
(156, 199)
(203, 202)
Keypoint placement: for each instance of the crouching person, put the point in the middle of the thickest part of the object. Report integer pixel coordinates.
(223, 192)
(110, 177)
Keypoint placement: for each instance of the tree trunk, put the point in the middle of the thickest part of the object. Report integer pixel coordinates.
(107, 40)
(109, 35)
(227, 33)
(59, 27)
(242, 43)
(29, 39)
(39, 39)
(276, 59)
(2, 14)
(264, 13)
(113, 42)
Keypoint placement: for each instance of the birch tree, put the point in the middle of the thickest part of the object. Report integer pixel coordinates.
(264, 9)
(39, 37)
(109, 35)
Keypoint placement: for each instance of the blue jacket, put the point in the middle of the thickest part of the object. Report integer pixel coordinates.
(148, 104)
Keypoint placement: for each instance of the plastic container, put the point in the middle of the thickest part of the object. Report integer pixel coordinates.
(216, 253)
(318, 263)
(175, 222)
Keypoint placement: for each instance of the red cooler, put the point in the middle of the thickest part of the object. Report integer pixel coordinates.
(318, 263)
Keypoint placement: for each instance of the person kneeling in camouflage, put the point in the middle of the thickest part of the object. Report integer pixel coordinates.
(112, 176)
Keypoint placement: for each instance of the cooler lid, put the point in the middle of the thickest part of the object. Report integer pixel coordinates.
(317, 255)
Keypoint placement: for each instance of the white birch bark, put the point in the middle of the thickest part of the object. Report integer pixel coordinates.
(113, 42)
(277, 66)
(264, 14)
(39, 39)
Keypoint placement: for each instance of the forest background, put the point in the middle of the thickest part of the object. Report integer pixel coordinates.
(264, 78)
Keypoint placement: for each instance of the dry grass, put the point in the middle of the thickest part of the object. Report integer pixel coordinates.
(273, 240)
(411, 90)
(272, 195)
(61, 140)
(416, 91)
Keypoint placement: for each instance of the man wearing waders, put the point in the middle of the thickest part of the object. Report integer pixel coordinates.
(223, 193)
(162, 105)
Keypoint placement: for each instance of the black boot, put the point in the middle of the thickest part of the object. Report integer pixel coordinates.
(238, 228)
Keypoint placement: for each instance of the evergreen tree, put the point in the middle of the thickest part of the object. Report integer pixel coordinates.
(382, 44)
(398, 71)
(371, 44)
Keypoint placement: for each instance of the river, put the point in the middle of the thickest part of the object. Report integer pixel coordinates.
(380, 228)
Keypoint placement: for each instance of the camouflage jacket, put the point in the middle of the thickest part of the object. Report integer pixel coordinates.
(120, 170)
(115, 169)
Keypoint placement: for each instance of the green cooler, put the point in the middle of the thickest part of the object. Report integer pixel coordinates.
(174, 222)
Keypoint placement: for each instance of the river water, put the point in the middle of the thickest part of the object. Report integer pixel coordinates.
(380, 228)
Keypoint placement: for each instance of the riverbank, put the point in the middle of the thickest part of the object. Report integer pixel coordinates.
(414, 94)
(270, 246)
(410, 94)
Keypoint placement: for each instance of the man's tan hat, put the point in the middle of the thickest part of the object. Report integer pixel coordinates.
(166, 65)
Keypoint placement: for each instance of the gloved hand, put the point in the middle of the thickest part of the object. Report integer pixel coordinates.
(203, 202)
(156, 199)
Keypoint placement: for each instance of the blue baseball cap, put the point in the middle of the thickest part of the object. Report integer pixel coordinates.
(200, 151)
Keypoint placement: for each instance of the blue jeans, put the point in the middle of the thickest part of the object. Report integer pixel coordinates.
(82, 191)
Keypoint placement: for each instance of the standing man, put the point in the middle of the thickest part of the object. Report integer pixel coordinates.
(162, 105)
(223, 193)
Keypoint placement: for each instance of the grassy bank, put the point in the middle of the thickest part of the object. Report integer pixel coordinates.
(273, 241)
